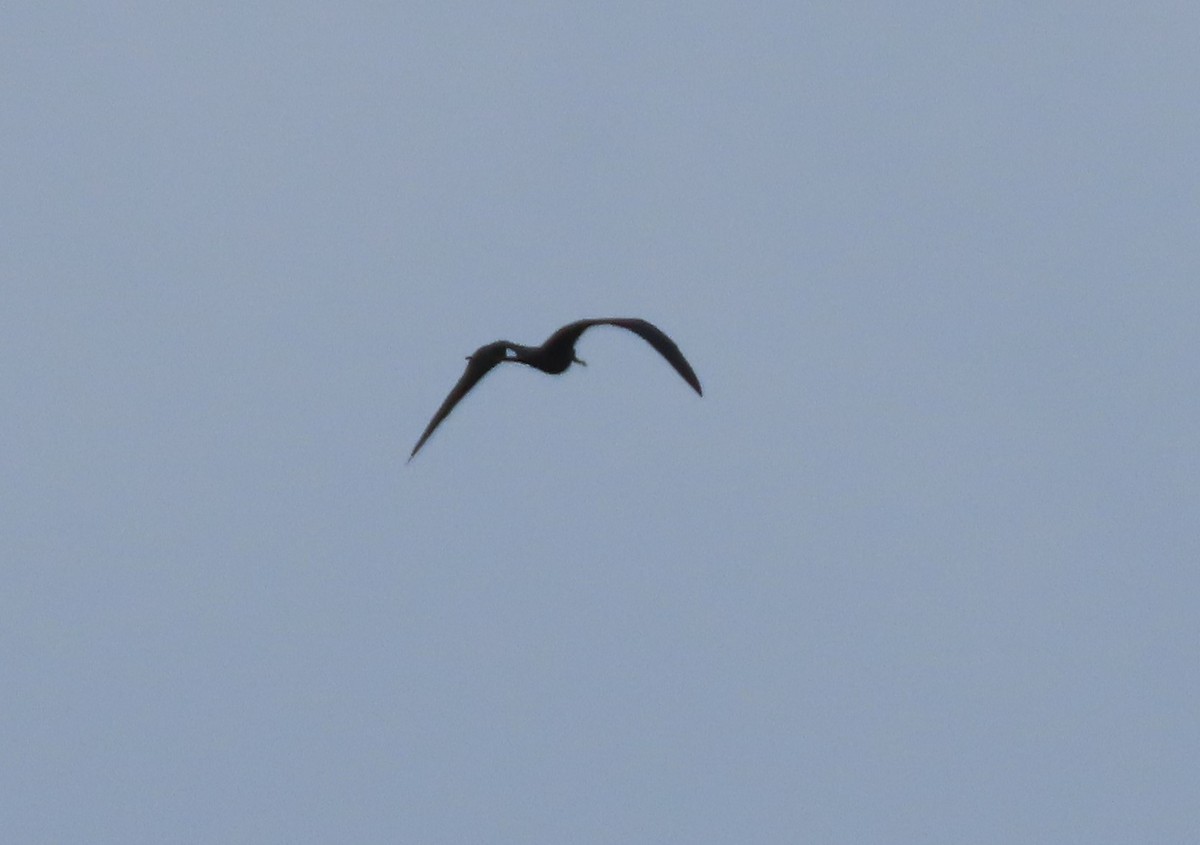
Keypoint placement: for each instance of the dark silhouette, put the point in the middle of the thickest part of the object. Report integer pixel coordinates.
(554, 356)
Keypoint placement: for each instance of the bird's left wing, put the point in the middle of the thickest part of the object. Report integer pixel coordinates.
(478, 366)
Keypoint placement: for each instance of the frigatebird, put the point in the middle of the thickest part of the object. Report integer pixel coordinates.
(554, 356)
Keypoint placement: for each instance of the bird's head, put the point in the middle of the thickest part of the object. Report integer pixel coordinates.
(490, 354)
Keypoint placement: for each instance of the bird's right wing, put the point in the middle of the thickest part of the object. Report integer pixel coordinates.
(657, 338)
(478, 366)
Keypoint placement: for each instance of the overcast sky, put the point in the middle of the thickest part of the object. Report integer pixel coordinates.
(921, 565)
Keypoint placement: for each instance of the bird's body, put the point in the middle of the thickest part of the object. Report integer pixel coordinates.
(553, 357)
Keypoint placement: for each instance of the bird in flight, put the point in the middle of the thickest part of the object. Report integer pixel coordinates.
(553, 356)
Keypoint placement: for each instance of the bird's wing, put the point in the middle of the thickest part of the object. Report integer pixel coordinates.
(650, 333)
(478, 366)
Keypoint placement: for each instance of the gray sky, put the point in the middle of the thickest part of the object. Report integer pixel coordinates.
(921, 566)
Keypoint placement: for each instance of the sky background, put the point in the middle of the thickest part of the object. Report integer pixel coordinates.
(920, 566)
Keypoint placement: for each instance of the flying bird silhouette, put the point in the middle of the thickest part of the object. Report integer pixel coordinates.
(553, 356)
